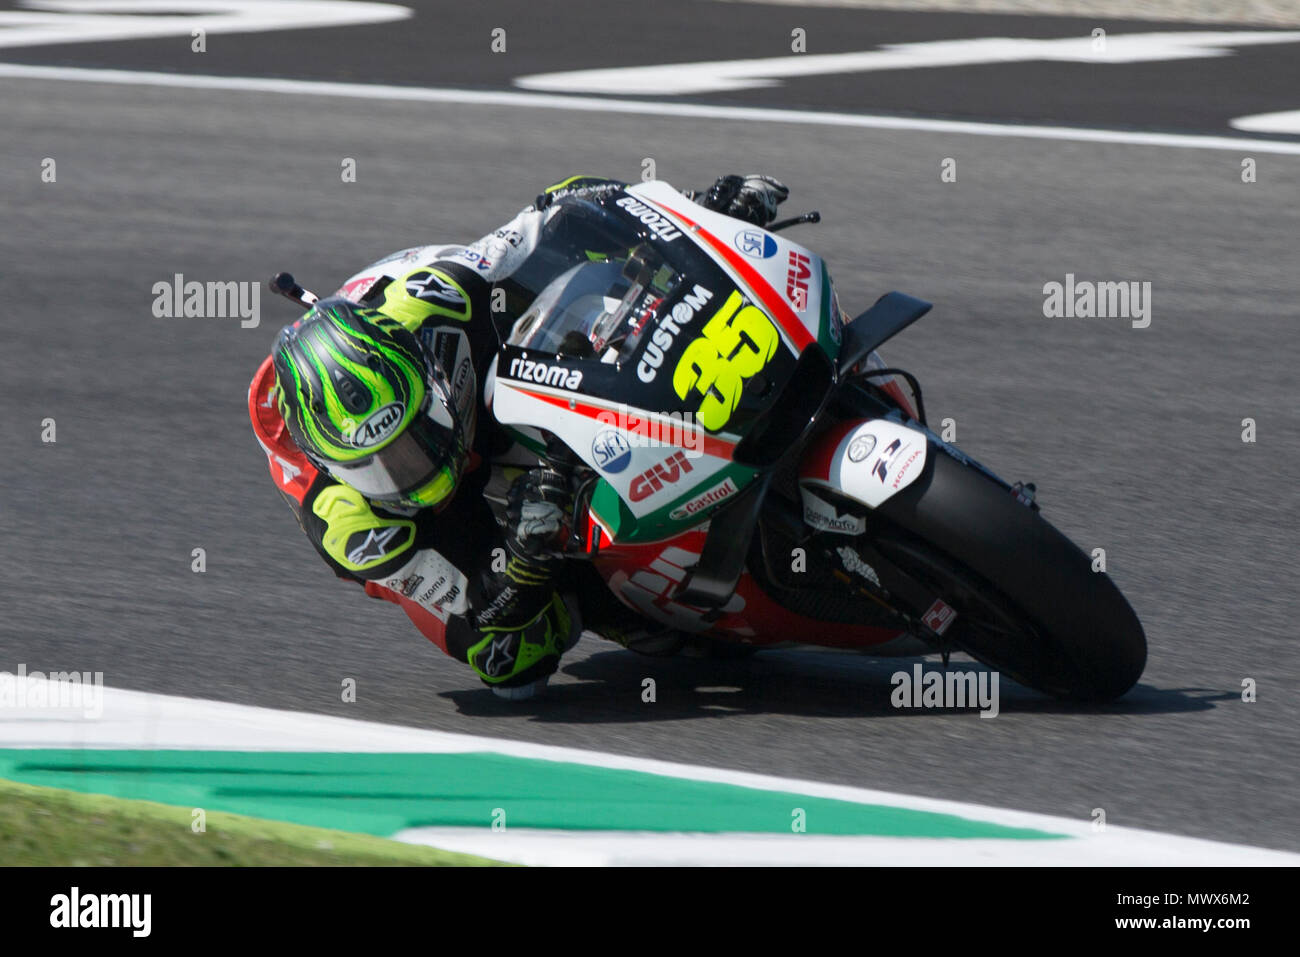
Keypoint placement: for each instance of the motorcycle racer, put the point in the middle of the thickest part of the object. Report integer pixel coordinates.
(372, 415)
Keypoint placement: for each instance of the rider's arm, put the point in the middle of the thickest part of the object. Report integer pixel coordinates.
(522, 624)
(753, 198)
(504, 618)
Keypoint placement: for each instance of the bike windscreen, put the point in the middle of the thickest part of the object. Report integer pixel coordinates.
(612, 281)
(596, 309)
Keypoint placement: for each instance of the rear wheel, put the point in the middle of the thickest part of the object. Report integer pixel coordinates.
(1027, 599)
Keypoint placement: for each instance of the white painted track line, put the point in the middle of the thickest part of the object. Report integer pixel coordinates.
(143, 720)
(1244, 145)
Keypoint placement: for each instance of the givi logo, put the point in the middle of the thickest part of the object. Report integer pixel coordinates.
(796, 280)
(655, 478)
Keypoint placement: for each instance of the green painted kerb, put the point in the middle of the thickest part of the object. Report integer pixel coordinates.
(383, 793)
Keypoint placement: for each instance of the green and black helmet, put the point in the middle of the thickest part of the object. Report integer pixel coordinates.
(369, 404)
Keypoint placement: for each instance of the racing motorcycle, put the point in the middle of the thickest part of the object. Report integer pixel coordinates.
(748, 470)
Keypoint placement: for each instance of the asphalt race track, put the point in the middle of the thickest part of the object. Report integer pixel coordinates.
(1133, 436)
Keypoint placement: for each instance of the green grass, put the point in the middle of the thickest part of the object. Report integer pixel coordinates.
(51, 827)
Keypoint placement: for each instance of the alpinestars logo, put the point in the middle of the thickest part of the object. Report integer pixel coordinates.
(659, 224)
(375, 545)
(796, 280)
(663, 473)
(430, 286)
(500, 656)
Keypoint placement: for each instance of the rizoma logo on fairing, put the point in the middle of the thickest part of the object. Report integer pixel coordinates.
(653, 479)
(669, 326)
(796, 280)
(543, 374)
(656, 222)
(379, 426)
(713, 496)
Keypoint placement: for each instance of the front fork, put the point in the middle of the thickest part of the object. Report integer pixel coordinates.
(864, 573)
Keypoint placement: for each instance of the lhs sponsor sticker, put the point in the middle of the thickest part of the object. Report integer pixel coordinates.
(755, 244)
(861, 447)
(724, 489)
(432, 581)
(610, 451)
(354, 289)
(890, 457)
(824, 517)
(667, 330)
(796, 280)
(907, 463)
(655, 478)
(939, 616)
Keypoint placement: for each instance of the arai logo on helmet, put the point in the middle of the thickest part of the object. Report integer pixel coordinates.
(610, 450)
(378, 426)
(756, 244)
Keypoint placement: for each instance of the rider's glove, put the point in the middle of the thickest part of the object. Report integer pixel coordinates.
(515, 659)
(753, 198)
(537, 513)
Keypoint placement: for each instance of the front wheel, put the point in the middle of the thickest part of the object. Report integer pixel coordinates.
(1027, 599)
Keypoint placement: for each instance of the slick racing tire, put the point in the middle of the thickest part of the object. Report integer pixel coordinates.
(1028, 602)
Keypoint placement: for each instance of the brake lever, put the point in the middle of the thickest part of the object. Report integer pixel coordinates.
(811, 217)
(283, 284)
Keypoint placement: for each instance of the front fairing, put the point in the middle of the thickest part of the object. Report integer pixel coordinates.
(653, 358)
